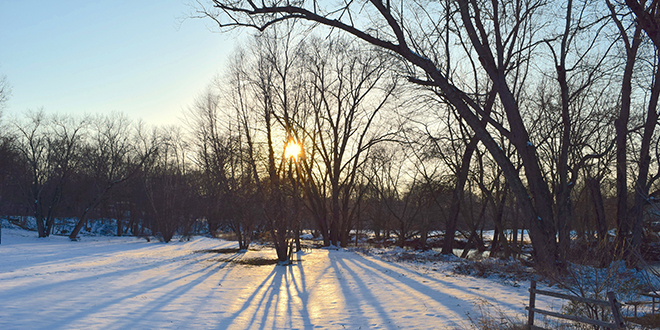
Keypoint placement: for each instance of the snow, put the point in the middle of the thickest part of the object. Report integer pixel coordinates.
(129, 283)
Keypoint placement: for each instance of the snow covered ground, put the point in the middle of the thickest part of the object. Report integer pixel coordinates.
(129, 283)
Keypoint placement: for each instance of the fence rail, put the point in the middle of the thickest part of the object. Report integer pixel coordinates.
(611, 302)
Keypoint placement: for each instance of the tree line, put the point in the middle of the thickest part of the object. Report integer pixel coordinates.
(57, 167)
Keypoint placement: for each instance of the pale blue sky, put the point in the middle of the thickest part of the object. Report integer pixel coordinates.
(100, 56)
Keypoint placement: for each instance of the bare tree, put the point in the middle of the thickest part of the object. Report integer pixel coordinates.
(571, 103)
(647, 20)
(8, 154)
(398, 190)
(453, 145)
(5, 92)
(223, 149)
(51, 149)
(110, 159)
(351, 91)
(168, 185)
(267, 100)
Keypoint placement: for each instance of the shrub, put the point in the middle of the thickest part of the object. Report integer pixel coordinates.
(594, 283)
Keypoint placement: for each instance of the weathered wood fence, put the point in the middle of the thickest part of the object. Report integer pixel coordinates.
(611, 303)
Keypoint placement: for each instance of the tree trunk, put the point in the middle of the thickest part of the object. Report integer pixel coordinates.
(120, 226)
(402, 234)
(324, 230)
(422, 239)
(457, 198)
(494, 244)
(334, 222)
(621, 128)
(41, 228)
(296, 234)
(499, 237)
(468, 246)
(642, 186)
(599, 207)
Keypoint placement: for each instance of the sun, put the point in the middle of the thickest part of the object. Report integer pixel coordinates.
(292, 150)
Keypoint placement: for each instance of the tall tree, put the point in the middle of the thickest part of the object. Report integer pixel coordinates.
(350, 91)
(8, 154)
(647, 19)
(222, 152)
(51, 149)
(168, 185)
(110, 159)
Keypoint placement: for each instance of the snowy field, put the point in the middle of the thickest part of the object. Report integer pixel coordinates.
(129, 283)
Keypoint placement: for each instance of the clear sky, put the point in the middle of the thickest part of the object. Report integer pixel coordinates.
(131, 56)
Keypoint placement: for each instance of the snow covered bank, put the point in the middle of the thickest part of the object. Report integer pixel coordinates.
(128, 283)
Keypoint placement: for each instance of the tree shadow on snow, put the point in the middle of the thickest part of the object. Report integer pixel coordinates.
(272, 303)
(411, 294)
(147, 287)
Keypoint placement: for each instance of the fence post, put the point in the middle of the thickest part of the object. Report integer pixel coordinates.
(532, 301)
(615, 310)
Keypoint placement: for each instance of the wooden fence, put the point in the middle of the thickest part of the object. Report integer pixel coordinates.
(611, 303)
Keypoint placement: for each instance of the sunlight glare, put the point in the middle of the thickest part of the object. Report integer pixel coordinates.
(292, 150)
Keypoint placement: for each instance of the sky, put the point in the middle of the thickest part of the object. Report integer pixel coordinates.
(78, 57)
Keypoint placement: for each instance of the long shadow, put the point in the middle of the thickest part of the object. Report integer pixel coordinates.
(268, 306)
(411, 288)
(40, 287)
(422, 288)
(226, 264)
(177, 291)
(267, 296)
(45, 258)
(72, 284)
(286, 274)
(142, 290)
(249, 301)
(300, 287)
(365, 293)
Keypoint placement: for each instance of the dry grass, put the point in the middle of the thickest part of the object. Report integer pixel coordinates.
(648, 321)
(256, 261)
(253, 261)
(512, 270)
(489, 317)
(225, 251)
(238, 257)
(228, 236)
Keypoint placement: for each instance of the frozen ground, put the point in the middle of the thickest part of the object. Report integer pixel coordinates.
(128, 283)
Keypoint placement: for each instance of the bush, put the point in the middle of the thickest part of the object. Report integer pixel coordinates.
(509, 270)
(594, 283)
